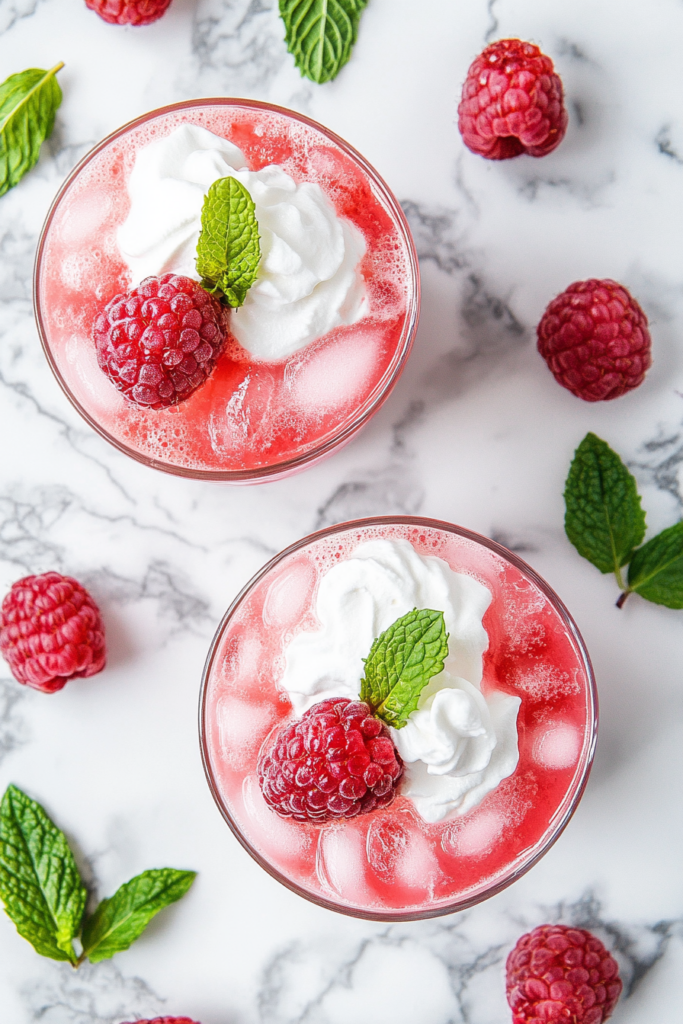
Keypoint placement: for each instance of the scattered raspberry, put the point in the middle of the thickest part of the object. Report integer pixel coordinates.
(512, 102)
(129, 12)
(556, 973)
(51, 632)
(159, 342)
(595, 340)
(165, 1020)
(335, 762)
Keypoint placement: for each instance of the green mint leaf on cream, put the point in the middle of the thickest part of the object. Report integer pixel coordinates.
(120, 920)
(39, 882)
(320, 34)
(656, 569)
(603, 519)
(28, 103)
(401, 662)
(228, 251)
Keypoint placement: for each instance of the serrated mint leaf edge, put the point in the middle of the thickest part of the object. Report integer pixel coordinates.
(596, 448)
(12, 170)
(228, 274)
(394, 703)
(322, 58)
(641, 585)
(57, 942)
(120, 933)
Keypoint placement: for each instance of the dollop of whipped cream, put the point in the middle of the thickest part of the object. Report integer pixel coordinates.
(308, 281)
(459, 744)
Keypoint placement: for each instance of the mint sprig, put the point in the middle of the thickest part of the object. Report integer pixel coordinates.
(401, 662)
(605, 522)
(28, 103)
(228, 250)
(320, 34)
(45, 897)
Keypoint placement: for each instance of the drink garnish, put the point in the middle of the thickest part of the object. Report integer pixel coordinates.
(44, 895)
(228, 250)
(28, 103)
(401, 662)
(320, 34)
(605, 523)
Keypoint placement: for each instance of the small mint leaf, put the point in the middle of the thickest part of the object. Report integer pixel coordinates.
(39, 881)
(28, 103)
(120, 920)
(320, 34)
(228, 250)
(656, 569)
(603, 518)
(401, 662)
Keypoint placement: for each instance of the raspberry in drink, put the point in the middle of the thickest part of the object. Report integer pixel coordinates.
(261, 412)
(445, 840)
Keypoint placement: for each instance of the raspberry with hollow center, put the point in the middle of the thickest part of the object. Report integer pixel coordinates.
(51, 631)
(129, 12)
(159, 342)
(512, 102)
(337, 761)
(595, 340)
(556, 973)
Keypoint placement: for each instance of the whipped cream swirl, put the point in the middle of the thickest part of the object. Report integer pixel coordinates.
(308, 281)
(459, 744)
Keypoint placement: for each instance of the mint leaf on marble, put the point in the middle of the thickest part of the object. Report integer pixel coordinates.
(39, 882)
(28, 103)
(603, 519)
(656, 569)
(120, 920)
(401, 662)
(228, 251)
(320, 34)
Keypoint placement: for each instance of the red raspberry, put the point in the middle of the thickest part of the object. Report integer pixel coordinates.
(159, 342)
(129, 12)
(337, 761)
(512, 102)
(166, 1020)
(556, 973)
(51, 632)
(595, 340)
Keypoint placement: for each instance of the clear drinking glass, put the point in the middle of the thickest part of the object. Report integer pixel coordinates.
(391, 864)
(252, 420)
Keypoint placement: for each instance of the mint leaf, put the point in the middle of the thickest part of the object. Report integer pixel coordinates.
(320, 34)
(39, 881)
(603, 518)
(228, 251)
(401, 662)
(28, 103)
(656, 569)
(120, 920)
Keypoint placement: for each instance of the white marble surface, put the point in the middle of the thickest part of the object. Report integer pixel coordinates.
(477, 432)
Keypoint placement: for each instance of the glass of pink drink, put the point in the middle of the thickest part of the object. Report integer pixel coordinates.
(391, 864)
(252, 420)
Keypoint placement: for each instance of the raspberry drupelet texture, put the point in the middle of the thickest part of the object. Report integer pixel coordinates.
(337, 761)
(129, 12)
(512, 102)
(51, 631)
(160, 342)
(562, 974)
(595, 340)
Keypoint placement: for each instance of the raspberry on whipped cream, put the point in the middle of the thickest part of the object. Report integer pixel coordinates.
(308, 281)
(459, 744)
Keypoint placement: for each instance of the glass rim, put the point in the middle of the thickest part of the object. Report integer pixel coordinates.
(558, 822)
(383, 389)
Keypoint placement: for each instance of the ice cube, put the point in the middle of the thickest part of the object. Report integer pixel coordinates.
(288, 595)
(478, 834)
(341, 861)
(557, 746)
(284, 842)
(337, 373)
(242, 727)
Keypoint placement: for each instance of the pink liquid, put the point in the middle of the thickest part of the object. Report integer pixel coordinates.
(391, 863)
(251, 417)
